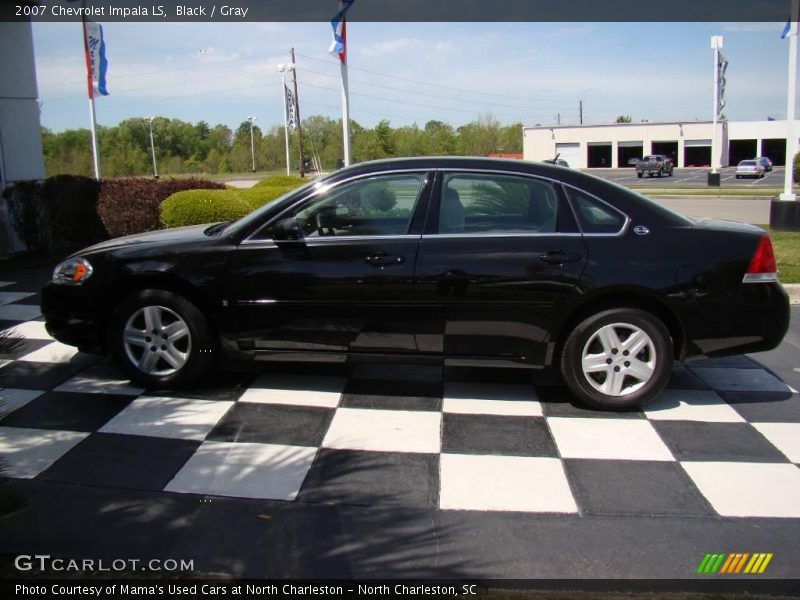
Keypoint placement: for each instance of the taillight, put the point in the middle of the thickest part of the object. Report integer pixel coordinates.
(762, 266)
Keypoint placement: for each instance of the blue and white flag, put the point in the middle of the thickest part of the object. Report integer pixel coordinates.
(339, 44)
(96, 63)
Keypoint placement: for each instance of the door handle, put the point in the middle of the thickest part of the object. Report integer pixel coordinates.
(383, 260)
(557, 257)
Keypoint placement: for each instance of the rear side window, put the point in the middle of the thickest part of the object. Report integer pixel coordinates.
(493, 203)
(595, 216)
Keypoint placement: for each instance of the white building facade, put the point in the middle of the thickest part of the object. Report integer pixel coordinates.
(687, 143)
(20, 136)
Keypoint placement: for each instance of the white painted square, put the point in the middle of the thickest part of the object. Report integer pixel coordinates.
(6, 283)
(384, 430)
(784, 436)
(244, 470)
(491, 399)
(509, 483)
(28, 452)
(32, 330)
(19, 312)
(691, 405)
(748, 489)
(296, 390)
(55, 352)
(9, 297)
(176, 418)
(618, 439)
(11, 399)
(100, 379)
(740, 380)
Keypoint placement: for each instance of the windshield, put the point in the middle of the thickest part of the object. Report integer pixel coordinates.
(274, 205)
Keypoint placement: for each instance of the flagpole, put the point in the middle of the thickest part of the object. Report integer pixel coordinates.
(791, 133)
(92, 115)
(282, 69)
(345, 96)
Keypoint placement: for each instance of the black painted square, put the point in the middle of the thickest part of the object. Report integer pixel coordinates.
(727, 442)
(68, 411)
(493, 434)
(273, 424)
(392, 394)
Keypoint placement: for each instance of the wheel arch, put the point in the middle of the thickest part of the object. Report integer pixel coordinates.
(637, 299)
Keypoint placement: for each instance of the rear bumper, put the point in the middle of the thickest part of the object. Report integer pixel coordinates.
(755, 319)
(72, 319)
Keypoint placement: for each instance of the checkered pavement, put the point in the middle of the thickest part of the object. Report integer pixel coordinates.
(722, 440)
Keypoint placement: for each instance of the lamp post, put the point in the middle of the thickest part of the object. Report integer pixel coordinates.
(282, 69)
(153, 149)
(252, 143)
(716, 46)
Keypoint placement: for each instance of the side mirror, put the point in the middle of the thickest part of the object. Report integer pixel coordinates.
(287, 229)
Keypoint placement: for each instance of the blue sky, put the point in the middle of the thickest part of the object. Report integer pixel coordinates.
(413, 72)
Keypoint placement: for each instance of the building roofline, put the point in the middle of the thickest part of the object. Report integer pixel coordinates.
(645, 124)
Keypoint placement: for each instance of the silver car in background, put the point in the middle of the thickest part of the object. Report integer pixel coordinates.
(749, 168)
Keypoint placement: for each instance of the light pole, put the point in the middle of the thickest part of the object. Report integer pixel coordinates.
(153, 149)
(716, 45)
(282, 70)
(791, 95)
(252, 143)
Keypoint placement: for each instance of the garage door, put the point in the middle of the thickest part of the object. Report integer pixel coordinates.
(570, 153)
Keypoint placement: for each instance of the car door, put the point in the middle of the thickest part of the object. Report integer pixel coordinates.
(333, 273)
(500, 260)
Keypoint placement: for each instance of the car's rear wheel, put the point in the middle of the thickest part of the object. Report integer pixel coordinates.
(617, 359)
(639, 175)
(160, 339)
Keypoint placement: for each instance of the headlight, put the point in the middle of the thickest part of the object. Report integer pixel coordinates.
(73, 271)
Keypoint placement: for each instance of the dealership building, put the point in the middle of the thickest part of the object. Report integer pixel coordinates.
(688, 143)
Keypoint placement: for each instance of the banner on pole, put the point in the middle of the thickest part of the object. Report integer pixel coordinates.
(291, 108)
(96, 62)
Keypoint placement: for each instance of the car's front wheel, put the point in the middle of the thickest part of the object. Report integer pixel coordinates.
(617, 359)
(160, 339)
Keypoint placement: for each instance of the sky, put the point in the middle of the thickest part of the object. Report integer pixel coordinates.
(414, 72)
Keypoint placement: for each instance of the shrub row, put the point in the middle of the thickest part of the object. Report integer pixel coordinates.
(196, 207)
(132, 205)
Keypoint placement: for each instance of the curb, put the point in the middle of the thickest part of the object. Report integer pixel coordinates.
(793, 289)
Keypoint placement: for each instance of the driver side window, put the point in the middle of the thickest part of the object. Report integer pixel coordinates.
(381, 205)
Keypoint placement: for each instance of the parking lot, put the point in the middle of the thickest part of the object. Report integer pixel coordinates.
(691, 177)
(397, 470)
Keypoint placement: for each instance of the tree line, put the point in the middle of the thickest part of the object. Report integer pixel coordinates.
(182, 147)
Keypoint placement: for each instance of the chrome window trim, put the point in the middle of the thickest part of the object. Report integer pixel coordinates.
(622, 231)
(424, 172)
(310, 241)
(499, 235)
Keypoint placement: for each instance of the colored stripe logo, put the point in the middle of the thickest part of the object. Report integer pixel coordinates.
(735, 563)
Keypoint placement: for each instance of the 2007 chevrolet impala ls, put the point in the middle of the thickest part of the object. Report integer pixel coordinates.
(478, 261)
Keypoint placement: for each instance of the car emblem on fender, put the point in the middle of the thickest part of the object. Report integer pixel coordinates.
(641, 230)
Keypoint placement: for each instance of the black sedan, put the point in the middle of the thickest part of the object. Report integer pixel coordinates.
(477, 261)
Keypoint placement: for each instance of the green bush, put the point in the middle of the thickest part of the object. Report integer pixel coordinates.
(797, 168)
(258, 197)
(195, 207)
(281, 181)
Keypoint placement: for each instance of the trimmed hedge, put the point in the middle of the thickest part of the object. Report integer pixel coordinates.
(281, 181)
(195, 207)
(132, 205)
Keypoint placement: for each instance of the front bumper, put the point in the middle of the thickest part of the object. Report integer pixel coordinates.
(72, 317)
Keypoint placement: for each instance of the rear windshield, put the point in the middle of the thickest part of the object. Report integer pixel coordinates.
(747, 163)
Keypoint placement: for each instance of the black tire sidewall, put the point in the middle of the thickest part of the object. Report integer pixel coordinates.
(201, 357)
(572, 370)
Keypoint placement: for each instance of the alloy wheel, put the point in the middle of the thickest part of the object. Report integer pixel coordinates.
(619, 359)
(157, 340)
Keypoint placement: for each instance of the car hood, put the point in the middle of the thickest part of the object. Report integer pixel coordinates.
(164, 236)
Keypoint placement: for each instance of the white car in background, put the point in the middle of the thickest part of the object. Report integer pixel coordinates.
(749, 168)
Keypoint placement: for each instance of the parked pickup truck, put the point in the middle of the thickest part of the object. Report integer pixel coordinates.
(655, 164)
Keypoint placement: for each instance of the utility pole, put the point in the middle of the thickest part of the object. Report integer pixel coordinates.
(297, 117)
(282, 70)
(153, 149)
(580, 111)
(716, 45)
(252, 143)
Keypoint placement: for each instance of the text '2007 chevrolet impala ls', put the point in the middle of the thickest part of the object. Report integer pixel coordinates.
(477, 261)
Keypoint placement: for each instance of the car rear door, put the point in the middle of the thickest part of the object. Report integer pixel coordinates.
(345, 284)
(499, 263)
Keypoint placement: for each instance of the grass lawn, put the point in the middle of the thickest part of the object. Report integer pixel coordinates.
(787, 252)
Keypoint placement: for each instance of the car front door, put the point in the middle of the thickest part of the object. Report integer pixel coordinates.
(500, 260)
(333, 273)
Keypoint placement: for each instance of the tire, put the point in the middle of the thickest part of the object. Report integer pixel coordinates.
(639, 175)
(738, 177)
(658, 174)
(179, 361)
(591, 338)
